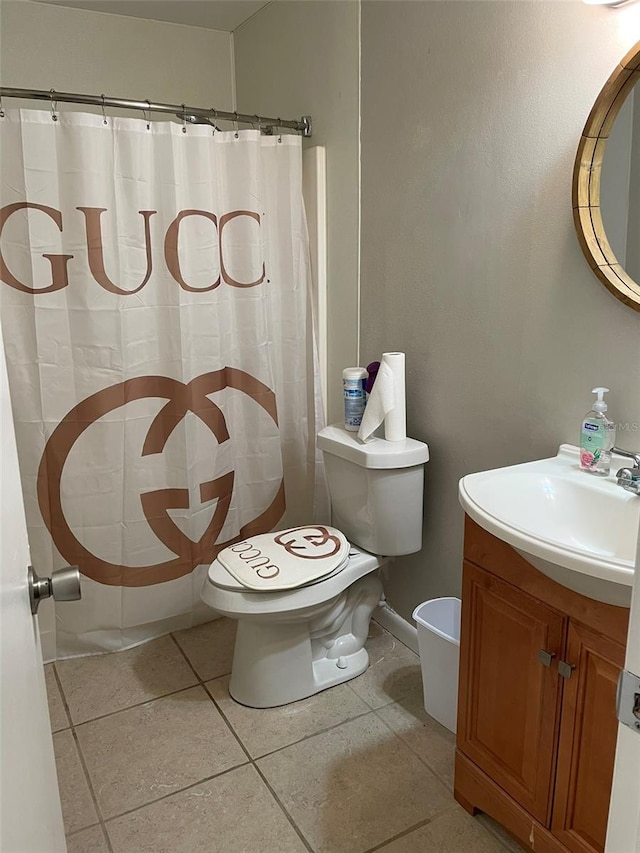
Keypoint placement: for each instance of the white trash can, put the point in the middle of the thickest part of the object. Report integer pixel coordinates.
(438, 624)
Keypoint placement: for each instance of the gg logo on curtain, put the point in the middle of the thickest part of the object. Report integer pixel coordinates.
(182, 398)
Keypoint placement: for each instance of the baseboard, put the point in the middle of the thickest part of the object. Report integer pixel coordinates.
(398, 626)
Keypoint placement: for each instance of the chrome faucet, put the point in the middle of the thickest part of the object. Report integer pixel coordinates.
(629, 478)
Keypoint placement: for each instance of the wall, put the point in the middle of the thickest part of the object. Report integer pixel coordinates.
(301, 58)
(469, 258)
(44, 47)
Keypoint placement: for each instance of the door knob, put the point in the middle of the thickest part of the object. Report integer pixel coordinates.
(63, 585)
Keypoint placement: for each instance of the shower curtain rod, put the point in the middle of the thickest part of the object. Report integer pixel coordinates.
(302, 125)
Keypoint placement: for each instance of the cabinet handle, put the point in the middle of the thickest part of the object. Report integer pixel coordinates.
(545, 657)
(565, 669)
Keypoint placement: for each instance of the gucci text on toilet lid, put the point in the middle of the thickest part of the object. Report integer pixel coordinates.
(285, 559)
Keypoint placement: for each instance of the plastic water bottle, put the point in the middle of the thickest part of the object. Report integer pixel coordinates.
(354, 380)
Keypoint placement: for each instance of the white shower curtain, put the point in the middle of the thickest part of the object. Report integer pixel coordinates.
(156, 317)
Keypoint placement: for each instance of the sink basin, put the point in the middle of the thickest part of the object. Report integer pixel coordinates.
(577, 529)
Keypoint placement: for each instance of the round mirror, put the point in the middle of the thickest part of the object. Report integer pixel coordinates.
(606, 189)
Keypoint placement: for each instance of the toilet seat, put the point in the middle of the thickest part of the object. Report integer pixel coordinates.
(220, 577)
(281, 560)
(238, 602)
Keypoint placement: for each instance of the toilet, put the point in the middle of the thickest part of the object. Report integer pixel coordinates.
(303, 597)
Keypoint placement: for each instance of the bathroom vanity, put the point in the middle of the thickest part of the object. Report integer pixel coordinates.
(537, 725)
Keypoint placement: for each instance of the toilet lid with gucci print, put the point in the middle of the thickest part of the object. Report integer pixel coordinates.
(286, 559)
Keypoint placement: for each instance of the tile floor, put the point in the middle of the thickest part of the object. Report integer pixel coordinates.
(154, 756)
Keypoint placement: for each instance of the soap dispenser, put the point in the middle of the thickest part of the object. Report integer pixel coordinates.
(597, 437)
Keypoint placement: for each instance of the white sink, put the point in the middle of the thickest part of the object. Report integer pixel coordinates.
(577, 529)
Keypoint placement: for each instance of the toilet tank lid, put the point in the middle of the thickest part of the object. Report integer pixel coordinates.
(376, 453)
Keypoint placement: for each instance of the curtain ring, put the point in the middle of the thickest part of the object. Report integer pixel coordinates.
(104, 115)
(1, 108)
(236, 134)
(54, 103)
(147, 115)
(279, 125)
(184, 119)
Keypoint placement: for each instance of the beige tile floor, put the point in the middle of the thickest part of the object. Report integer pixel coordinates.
(154, 756)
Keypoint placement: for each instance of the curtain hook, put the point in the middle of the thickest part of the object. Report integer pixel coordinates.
(54, 117)
(184, 119)
(279, 125)
(147, 115)
(236, 134)
(1, 108)
(104, 115)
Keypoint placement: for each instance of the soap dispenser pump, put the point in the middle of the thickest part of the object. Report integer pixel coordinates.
(597, 437)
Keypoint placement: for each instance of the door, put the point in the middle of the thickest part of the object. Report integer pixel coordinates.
(509, 693)
(623, 831)
(30, 813)
(587, 741)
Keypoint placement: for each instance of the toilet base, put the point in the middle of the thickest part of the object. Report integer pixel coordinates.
(276, 663)
(325, 674)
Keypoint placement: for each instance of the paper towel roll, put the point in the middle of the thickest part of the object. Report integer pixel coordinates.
(395, 423)
(387, 401)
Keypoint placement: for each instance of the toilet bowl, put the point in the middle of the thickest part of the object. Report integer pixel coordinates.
(303, 597)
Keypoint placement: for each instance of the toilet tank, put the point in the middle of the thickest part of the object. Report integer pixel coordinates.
(376, 490)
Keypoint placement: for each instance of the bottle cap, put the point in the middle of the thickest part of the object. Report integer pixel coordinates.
(600, 405)
(354, 373)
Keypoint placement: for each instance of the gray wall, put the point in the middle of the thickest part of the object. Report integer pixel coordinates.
(471, 115)
(44, 47)
(296, 58)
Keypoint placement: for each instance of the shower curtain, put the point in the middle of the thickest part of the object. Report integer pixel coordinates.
(156, 317)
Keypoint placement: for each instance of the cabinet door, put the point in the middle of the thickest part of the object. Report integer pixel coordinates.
(509, 706)
(588, 732)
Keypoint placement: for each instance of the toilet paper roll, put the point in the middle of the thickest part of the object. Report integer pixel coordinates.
(387, 401)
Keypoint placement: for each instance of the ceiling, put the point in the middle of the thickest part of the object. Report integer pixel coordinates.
(224, 15)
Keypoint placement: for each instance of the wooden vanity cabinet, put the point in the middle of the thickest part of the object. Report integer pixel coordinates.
(535, 748)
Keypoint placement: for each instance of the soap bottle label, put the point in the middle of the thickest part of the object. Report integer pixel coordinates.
(595, 452)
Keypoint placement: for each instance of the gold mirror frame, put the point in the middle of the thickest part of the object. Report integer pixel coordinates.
(587, 170)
